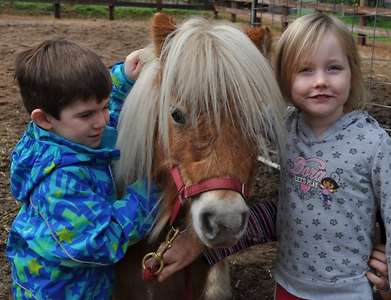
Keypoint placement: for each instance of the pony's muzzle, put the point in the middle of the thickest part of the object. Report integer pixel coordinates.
(223, 227)
(220, 218)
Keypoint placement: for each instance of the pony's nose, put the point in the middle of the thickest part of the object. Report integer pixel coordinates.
(224, 228)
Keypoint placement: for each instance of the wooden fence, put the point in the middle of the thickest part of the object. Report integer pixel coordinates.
(112, 4)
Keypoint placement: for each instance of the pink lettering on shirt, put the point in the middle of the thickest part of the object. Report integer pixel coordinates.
(308, 172)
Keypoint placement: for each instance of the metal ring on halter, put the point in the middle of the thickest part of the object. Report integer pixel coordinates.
(157, 256)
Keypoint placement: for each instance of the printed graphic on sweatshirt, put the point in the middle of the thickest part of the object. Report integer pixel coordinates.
(310, 179)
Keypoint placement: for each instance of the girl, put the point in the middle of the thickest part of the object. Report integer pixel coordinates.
(336, 168)
(326, 233)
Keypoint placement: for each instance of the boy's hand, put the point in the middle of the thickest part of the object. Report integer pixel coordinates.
(133, 65)
(185, 249)
(378, 262)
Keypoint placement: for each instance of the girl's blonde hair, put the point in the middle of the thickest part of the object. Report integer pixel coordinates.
(301, 40)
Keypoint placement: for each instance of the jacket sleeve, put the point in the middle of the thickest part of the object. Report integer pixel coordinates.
(261, 228)
(80, 227)
(381, 170)
(120, 90)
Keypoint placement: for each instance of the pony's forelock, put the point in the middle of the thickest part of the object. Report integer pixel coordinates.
(214, 68)
(137, 123)
(206, 67)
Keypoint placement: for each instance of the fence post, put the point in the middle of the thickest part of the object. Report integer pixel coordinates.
(57, 9)
(159, 5)
(234, 5)
(362, 37)
(284, 19)
(111, 9)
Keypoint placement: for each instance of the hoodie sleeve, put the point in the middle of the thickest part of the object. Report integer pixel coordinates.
(381, 170)
(120, 90)
(80, 227)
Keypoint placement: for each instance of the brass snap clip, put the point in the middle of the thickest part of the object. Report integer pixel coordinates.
(158, 255)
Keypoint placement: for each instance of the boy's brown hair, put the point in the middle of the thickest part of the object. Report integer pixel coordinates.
(58, 73)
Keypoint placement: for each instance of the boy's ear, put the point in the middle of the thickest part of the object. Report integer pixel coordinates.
(41, 118)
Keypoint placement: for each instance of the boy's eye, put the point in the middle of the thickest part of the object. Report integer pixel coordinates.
(85, 115)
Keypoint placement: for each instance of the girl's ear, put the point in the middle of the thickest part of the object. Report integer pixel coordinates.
(41, 118)
(162, 26)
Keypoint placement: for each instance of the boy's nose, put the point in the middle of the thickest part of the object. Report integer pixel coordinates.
(100, 120)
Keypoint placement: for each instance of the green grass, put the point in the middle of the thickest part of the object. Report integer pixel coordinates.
(31, 8)
(90, 11)
(380, 21)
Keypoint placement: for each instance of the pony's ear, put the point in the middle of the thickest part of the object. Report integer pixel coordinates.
(262, 38)
(162, 26)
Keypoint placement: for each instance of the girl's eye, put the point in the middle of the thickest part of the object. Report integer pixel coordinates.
(335, 68)
(178, 116)
(304, 70)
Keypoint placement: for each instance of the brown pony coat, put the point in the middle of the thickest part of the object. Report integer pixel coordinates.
(208, 149)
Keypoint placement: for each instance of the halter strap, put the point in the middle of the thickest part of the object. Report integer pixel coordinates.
(215, 183)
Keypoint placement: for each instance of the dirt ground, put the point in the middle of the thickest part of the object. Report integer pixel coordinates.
(112, 41)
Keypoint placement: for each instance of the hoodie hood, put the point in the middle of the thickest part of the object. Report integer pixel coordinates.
(40, 152)
(307, 136)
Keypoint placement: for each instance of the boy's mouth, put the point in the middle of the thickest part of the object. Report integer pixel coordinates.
(95, 136)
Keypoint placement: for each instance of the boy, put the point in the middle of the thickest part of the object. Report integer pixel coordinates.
(71, 228)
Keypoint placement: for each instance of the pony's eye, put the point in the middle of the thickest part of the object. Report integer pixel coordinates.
(178, 116)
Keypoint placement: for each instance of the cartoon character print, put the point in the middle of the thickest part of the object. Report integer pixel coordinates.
(328, 186)
(309, 176)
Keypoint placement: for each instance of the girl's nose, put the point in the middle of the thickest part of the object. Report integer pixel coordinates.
(320, 79)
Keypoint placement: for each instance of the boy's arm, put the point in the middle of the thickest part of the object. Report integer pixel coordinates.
(185, 249)
(123, 76)
(120, 90)
(378, 262)
(84, 228)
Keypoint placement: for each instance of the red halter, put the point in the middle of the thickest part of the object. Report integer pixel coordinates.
(184, 192)
(216, 183)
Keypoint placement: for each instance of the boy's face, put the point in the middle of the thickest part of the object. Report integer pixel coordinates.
(82, 122)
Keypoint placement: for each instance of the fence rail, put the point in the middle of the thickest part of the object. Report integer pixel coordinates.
(112, 4)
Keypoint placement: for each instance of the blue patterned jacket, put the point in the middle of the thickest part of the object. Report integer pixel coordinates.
(71, 228)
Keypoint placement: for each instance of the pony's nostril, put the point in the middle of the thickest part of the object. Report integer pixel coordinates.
(207, 221)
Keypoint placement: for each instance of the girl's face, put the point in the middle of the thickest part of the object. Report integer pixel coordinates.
(321, 86)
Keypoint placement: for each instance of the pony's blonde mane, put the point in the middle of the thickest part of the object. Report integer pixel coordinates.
(206, 67)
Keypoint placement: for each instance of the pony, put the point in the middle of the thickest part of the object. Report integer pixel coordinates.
(205, 105)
